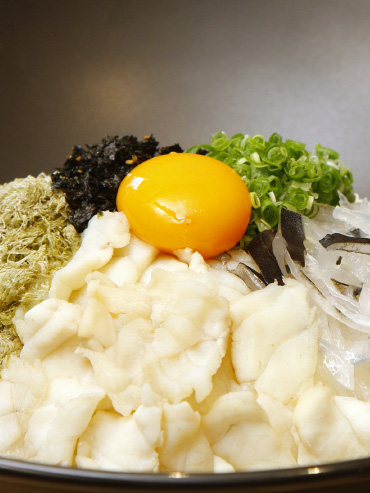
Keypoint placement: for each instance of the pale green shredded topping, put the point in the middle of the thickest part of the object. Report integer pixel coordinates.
(36, 240)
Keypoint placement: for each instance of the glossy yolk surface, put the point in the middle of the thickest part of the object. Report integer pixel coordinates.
(183, 200)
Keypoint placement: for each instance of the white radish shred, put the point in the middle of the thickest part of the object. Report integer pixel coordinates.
(339, 284)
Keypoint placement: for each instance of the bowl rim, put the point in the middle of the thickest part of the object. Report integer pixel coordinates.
(359, 468)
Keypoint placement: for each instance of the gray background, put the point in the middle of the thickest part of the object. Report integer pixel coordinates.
(74, 71)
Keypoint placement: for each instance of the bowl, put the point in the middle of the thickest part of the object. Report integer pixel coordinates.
(78, 70)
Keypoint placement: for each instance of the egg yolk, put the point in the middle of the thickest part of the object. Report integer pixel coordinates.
(183, 200)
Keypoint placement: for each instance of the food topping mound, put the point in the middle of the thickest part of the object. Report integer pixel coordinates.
(91, 175)
(281, 174)
(36, 239)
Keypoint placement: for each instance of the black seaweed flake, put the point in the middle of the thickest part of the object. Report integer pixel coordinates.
(260, 248)
(291, 227)
(92, 174)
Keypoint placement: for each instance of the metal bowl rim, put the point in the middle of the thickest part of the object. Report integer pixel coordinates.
(335, 470)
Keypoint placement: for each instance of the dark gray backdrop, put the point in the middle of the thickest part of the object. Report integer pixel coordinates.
(73, 71)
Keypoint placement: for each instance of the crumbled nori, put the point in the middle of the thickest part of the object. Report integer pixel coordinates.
(92, 174)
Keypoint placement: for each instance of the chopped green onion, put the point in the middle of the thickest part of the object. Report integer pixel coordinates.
(298, 197)
(269, 213)
(259, 185)
(276, 156)
(288, 204)
(329, 180)
(326, 153)
(275, 185)
(258, 141)
(272, 197)
(295, 146)
(220, 141)
(281, 174)
(255, 200)
(295, 169)
(275, 138)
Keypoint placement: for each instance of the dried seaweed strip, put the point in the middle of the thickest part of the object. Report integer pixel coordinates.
(92, 174)
(36, 239)
(9, 343)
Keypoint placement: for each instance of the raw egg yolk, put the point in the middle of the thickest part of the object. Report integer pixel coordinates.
(183, 200)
